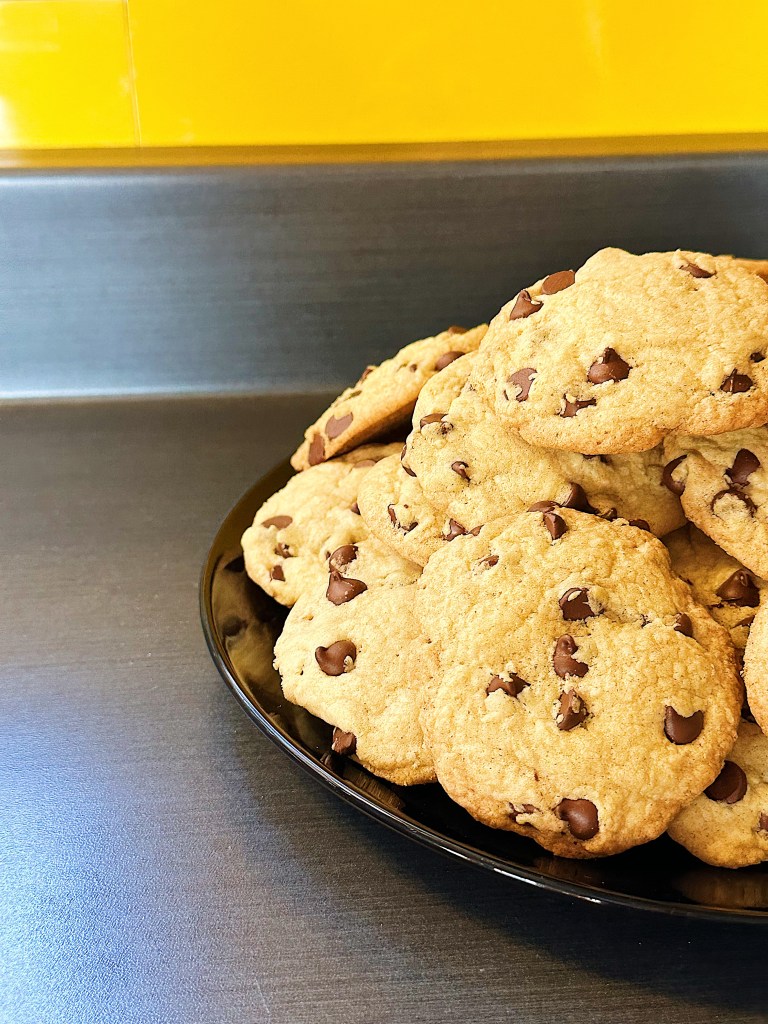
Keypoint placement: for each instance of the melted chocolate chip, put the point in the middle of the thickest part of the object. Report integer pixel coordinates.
(283, 551)
(276, 573)
(446, 359)
(543, 506)
(489, 561)
(680, 729)
(366, 373)
(334, 427)
(524, 306)
(344, 743)
(736, 383)
(737, 495)
(557, 282)
(744, 465)
(515, 810)
(610, 515)
(563, 661)
(572, 711)
(762, 823)
(610, 366)
(355, 508)
(729, 786)
(340, 590)
(739, 589)
(580, 816)
(454, 530)
(574, 604)
(522, 379)
(512, 686)
(407, 469)
(342, 556)
(570, 408)
(683, 624)
(757, 357)
(364, 464)
(555, 524)
(460, 468)
(316, 453)
(577, 500)
(279, 521)
(456, 329)
(640, 524)
(433, 417)
(696, 271)
(337, 658)
(396, 522)
(668, 480)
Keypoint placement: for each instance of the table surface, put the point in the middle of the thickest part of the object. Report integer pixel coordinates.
(161, 861)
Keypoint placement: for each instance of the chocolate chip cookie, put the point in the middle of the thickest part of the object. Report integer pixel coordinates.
(728, 824)
(584, 698)
(476, 466)
(384, 396)
(632, 348)
(286, 549)
(366, 667)
(723, 485)
(755, 673)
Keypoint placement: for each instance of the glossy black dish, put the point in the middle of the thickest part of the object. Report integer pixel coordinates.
(241, 624)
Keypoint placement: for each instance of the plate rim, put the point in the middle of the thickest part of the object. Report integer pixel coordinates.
(400, 822)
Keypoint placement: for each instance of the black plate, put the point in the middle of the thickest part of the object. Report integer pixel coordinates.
(241, 623)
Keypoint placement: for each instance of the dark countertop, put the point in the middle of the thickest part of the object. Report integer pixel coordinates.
(161, 861)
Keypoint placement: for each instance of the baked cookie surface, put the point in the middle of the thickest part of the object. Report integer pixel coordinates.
(583, 697)
(384, 396)
(632, 348)
(756, 668)
(365, 667)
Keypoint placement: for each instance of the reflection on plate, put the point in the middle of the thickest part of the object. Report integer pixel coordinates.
(241, 624)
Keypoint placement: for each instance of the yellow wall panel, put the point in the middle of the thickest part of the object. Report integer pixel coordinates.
(65, 74)
(301, 71)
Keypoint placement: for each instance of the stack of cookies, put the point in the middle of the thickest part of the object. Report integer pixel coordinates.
(548, 599)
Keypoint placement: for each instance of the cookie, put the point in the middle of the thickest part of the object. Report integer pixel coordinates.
(384, 397)
(476, 467)
(755, 674)
(723, 485)
(632, 348)
(315, 513)
(759, 267)
(721, 584)
(584, 698)
(396, 511)
(727, 825)
(365, 667)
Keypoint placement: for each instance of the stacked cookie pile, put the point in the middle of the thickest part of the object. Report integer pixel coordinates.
(546, 599)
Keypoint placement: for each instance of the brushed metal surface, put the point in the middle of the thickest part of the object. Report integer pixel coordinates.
(293, 277)
(162, 863)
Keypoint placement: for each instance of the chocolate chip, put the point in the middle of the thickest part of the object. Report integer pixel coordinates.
(489, 561)
(446, 359)
(364, 464)
(276, 573)
(740, 589)
(683, 624)
(454, 530)
(344, 743)
(516, 810)
(283, 551)
(355, 508)
(279, 521)
(413, 367)
(366, 372)
(557, 282)
(460, 468)
(337, 658)
(610, 515)
(407, 469)
(334, 427)
(577, 500)
(757, 357)
(342, 556)
(523, 380)
(744, 465)
(668, 480)
(433, 417)
(396, 522)
(570, 408)
(354, 394)
(543, 506)
(580, 816)
(340, 590)
(316, 450)
(736, 383)
(524, 306)
(455, 329)
(555, 524)
(610, 366)
(512, 686)
(737, 495)
(729, 786)
(563, 661)
(476, 531)
(762, 824)
(640, 524)
(696, 271)
(572, 711)
(681, 729)
(574, 604)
